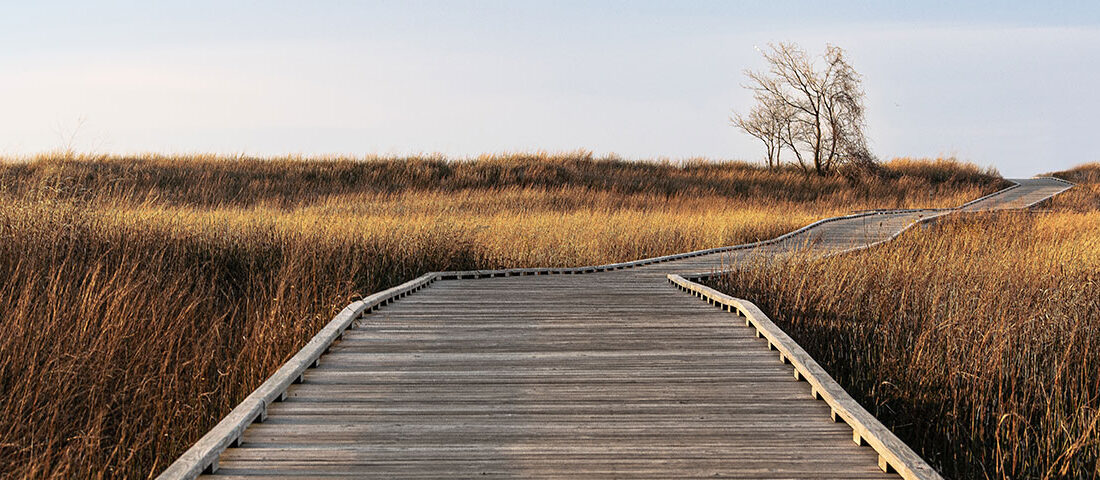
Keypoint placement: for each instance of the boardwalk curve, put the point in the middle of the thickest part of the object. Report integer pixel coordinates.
(550, 373)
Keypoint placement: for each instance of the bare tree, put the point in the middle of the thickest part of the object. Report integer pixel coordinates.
(819, 111)
(766, 121)
(844, 109)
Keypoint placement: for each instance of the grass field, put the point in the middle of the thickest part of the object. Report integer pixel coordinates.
(976, 339)
(141, 298)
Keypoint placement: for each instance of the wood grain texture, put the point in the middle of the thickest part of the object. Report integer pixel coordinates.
(594, 372)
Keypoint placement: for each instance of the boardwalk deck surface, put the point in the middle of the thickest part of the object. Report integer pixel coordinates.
(602, 375)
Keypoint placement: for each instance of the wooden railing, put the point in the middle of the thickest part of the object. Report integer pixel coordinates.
(203, 455)
(894, 455)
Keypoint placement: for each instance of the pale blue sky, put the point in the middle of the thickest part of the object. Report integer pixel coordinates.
(996, 83)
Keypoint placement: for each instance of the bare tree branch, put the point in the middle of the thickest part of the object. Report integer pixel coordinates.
(815, 114)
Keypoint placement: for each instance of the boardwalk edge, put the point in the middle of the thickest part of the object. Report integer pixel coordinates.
(203, 455)
(894, 455)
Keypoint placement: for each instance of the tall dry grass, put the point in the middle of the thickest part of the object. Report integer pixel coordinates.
(977, 340)
(141, 298)
(290, 182)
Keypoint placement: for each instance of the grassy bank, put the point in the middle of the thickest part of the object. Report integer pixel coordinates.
(974, 339)
(143, 297)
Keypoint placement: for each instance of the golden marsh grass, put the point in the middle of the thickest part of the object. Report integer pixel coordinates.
(975, 339)
(142, 298)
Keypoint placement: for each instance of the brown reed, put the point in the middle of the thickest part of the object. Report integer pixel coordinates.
(975, 340)
(141, 298)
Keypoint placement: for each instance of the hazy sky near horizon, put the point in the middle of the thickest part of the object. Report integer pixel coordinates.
(1013, 85)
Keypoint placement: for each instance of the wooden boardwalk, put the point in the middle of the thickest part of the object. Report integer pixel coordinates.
(611, 374)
